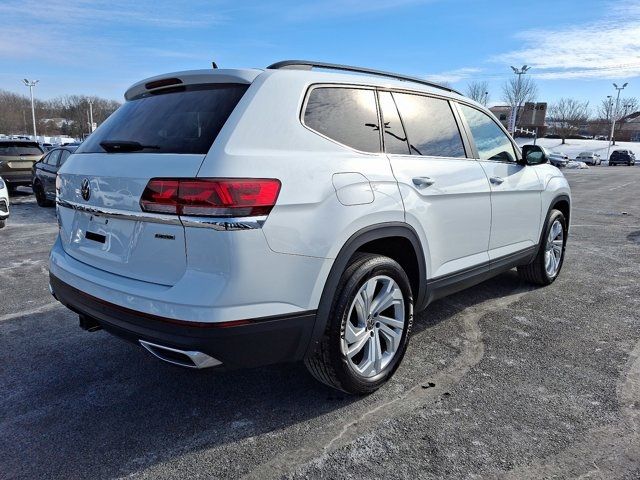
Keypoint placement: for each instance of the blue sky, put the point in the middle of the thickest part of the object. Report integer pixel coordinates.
(100, 47)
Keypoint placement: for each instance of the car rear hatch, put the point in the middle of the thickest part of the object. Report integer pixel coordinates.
(164, 130)
(17, 158)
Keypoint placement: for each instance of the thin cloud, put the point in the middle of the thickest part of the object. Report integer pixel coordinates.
(342, 8)
(453, 76)
(605, 49)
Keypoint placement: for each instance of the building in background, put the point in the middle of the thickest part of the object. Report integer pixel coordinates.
(628, 128)
(531, 116)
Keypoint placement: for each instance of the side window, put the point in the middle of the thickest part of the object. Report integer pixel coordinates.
(395, 138)
(52, 159)
(492, 143)
(430, 125)
(63, 157)
(346, 115)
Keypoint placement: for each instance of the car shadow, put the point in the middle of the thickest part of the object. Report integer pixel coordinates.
(87, 405)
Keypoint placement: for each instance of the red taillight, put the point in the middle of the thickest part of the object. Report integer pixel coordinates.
(232, 197)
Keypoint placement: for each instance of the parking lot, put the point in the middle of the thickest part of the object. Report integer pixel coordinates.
(502, 380)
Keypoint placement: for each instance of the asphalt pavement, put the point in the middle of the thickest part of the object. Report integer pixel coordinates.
(503, 380)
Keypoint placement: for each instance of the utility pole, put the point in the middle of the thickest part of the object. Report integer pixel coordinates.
(517, 96)
(613, 117)
(32, 84)
(486, 98)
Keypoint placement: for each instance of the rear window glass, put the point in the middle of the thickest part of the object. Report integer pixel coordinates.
(183, 120)
(15, 149)
(346, 115)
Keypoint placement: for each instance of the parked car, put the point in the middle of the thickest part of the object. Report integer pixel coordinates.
(559, 160)
(47, 147)
(622, 157)
(590, 158)
(4, 203)
(16, 161)
(262, 216)
(44, 175)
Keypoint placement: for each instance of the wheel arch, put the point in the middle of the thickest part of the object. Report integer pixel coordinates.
(385, 239)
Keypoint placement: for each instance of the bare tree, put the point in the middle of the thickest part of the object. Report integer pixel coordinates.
(567, 115)
(519, 90)
(478, 92)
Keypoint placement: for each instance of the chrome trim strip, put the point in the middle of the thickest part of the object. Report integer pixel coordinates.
(122, 214)
(220, 224)
(226, 224)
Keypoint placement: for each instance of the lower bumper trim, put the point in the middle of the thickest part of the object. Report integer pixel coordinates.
(239, 343)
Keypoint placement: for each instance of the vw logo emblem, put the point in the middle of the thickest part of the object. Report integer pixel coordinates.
(85, 190)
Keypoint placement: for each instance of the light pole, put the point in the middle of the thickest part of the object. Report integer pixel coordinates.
(90, 116)
(486, 98)
(32, 84)
(517, 96)
(613, 116)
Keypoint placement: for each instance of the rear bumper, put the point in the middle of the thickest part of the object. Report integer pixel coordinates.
(21, 177)
(239, 343)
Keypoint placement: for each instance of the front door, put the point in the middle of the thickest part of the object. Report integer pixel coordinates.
(516, 189)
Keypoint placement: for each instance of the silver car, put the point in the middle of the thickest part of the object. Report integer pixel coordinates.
(590, 158)
(4, 203)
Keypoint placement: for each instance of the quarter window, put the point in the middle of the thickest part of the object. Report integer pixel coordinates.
(430, 125)
(346, 115)
(492, 143)
(395, 138)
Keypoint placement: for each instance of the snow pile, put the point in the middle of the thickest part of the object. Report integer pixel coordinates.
(576, 164)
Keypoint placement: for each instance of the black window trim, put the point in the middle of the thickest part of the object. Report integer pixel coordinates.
(456, 105)
(305, 101)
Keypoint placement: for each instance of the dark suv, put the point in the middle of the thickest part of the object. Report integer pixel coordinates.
(16, 161)
(622, 157)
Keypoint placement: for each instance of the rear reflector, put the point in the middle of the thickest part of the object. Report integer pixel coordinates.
(205, 197)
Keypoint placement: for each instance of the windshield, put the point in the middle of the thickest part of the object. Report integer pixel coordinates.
(181, 120)
(15, 149)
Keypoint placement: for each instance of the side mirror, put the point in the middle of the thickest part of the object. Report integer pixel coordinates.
(533, 155)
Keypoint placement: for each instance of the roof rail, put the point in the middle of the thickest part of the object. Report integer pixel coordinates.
(308, 65)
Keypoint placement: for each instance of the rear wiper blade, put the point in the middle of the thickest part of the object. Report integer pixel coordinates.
(125, 146)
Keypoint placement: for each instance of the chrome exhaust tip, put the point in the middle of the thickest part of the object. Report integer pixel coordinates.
(183, 358)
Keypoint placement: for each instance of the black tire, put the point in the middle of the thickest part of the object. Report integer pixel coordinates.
(327, 363)
(41, 197)
(2, 223)
(535, 272)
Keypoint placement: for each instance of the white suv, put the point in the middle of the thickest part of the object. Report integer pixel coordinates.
(302, 212)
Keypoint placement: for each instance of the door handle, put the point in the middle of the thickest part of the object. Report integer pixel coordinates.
(422, 182)
(496, 180)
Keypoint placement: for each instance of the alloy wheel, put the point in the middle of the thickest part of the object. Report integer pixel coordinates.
(554, 249)
(373, 331)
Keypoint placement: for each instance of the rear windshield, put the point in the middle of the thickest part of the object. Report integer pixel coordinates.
(15, 149)
(182, 120)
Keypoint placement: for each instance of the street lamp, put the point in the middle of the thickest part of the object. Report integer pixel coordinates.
(517, 96)
(90, 115)
(486, 98)
(32, 84)
(613, 115)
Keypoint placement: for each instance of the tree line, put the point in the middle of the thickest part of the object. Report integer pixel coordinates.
(565, 117)
(64, 115)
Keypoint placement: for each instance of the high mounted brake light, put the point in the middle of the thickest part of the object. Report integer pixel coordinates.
(211, 197)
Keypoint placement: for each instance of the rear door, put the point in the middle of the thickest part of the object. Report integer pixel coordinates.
(515, 188)
(164, 134)
(446, 195)
(48, 169)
